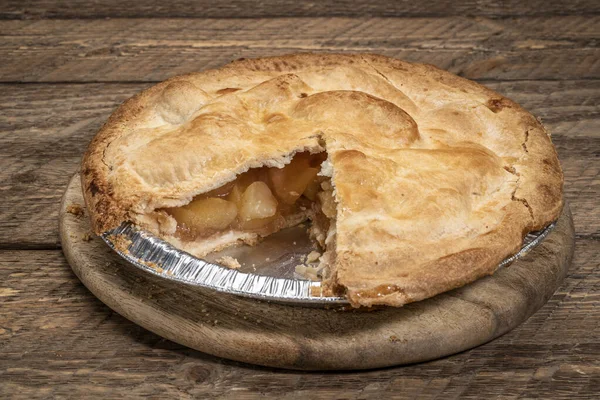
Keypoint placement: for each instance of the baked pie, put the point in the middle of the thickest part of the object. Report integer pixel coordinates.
(416, 181)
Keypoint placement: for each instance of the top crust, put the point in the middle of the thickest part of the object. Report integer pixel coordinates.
(437, 178)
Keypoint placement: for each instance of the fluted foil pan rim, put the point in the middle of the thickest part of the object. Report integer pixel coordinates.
(156, 256)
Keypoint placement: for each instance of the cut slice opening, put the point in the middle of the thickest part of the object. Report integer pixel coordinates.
(263, 201)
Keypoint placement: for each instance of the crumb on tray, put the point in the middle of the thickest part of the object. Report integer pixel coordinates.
(152, 265)
(307, 272)
(229, 262)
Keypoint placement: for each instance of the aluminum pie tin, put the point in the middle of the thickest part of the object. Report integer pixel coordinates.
(267, 270)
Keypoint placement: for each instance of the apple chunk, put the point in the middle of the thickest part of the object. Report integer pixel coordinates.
(328, 206)
(257, 202)
(312, 189)
(205, 214)
(292, 180)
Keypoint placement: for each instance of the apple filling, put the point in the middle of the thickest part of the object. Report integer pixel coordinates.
(262, 200)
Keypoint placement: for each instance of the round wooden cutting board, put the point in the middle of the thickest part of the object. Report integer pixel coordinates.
(312, 338)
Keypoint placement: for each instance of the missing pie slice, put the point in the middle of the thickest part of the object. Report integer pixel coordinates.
(416, 181)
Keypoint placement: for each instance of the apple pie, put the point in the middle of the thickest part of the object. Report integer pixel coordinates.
(415, 181)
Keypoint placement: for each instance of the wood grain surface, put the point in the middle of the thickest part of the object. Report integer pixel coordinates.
(65, 67)
(554, 48)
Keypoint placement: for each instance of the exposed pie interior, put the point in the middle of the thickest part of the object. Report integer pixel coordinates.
(416, 181)
(260, 200)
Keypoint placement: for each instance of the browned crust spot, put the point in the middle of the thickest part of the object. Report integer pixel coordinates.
(497, 104)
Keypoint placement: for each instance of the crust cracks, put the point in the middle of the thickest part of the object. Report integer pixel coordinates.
(525, 141)
(522, 200)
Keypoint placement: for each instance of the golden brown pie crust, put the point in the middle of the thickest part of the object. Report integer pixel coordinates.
(437, 178)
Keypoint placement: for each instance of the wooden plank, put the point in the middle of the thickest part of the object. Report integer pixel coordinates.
(553, 48)
(58, 340)
(44, 129)
(279, 8)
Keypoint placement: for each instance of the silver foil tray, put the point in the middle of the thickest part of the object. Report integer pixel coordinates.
(267, 270)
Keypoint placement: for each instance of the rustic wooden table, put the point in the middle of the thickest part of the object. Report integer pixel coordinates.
(66, 65)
